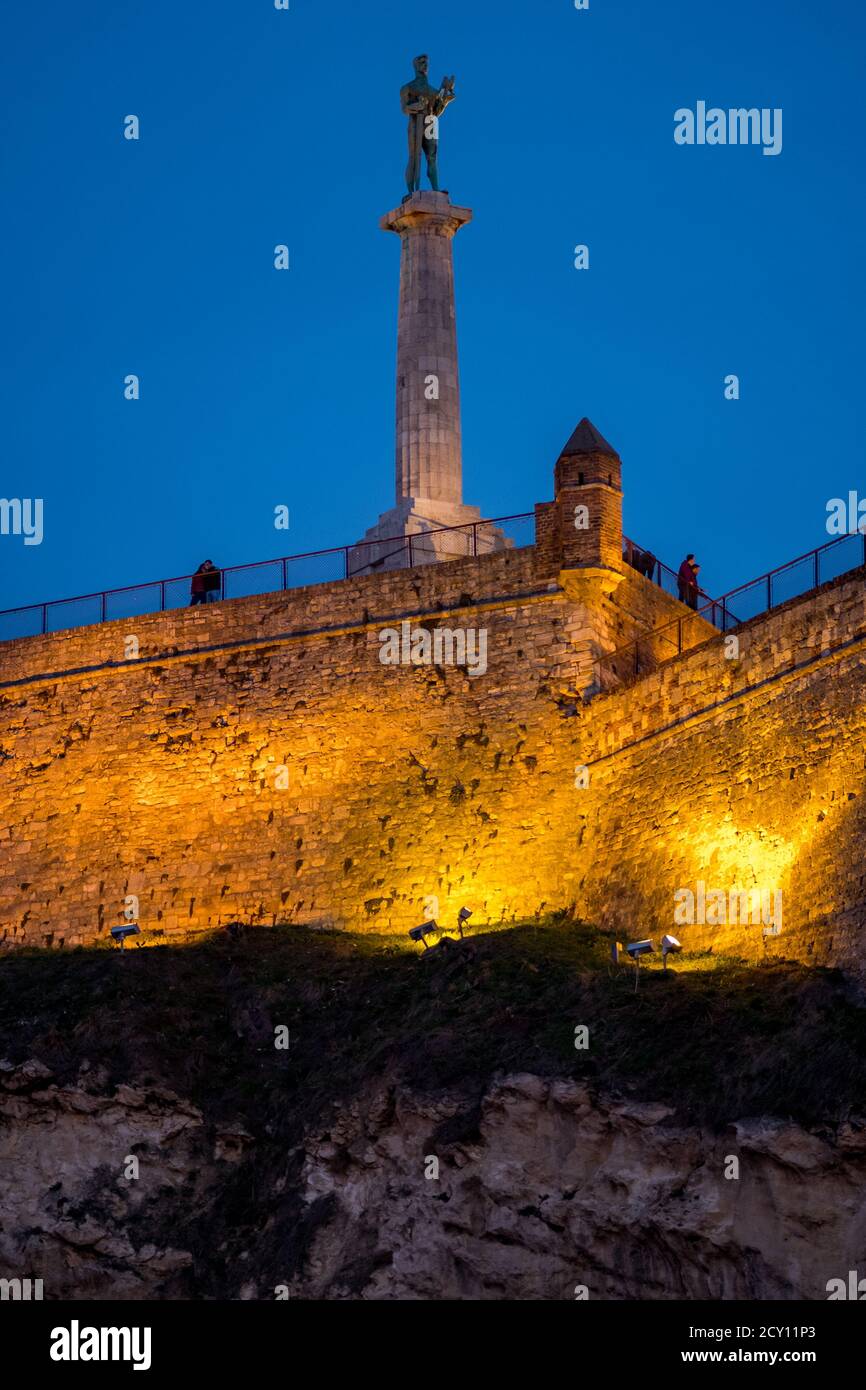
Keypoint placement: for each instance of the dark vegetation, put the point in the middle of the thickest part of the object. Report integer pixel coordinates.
(719, 1042)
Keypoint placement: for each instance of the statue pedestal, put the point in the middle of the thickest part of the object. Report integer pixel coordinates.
(386, 546)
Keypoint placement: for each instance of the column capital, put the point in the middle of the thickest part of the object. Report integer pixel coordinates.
(426, 209)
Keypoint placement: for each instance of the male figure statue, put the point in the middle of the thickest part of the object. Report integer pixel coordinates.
(424, 104)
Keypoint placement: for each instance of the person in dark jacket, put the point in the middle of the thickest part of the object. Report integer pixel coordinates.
(206, 584)
(695, 590)
(687, 582)
(647, 564)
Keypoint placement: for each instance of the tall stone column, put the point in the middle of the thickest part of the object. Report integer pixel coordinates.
(429, 460)
(429, 463)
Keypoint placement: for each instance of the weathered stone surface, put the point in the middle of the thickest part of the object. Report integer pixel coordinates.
(159, 777)
(554, 1186)
(561, 1187)
(742, 774)
(69, 1211)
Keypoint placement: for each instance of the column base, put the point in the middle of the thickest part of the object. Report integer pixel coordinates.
(412, 534)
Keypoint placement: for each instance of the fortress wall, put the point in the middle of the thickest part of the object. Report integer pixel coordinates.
(163, 777)
(159, 777)
(342, 602)
(748, 773)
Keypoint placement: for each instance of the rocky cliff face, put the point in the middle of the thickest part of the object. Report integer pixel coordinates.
(543, 1188)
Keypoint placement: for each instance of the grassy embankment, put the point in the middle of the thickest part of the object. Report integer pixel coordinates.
(718, 1039)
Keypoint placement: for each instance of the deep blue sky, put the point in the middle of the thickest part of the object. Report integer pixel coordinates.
(260, 388)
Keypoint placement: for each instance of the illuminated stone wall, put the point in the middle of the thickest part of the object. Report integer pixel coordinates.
(257, 762)
(739, 774)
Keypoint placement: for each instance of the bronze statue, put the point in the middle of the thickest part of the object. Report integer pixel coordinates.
(424, 104)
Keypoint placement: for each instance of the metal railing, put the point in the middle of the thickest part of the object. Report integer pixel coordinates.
(274, 576)
(738, 606)
(452, 542)
(648, 565)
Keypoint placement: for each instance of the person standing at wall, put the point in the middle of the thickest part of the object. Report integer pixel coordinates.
(694, 591)
(206, 584)
(687, 582)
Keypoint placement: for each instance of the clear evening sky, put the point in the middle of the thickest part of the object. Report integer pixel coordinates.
(261, 387)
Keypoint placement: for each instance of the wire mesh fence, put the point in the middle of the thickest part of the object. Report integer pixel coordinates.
(643, 653)
(274, 576)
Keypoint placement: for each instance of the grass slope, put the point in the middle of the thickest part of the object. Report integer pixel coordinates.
(719, 1043)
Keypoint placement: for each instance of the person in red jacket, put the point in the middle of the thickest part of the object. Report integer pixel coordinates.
(687, 581)
(206, 584)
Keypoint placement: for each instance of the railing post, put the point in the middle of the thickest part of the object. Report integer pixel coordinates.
(409, 538)
(818, 564)
(103, 606)
(286, 569)
(769, 592)
(475, 538)
(45, 617)
(679, 636)
(162, 595)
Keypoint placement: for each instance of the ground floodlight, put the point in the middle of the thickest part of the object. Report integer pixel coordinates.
(124, 930)
(670, 946)
(636, 949)
(462, 918)
(421, 933)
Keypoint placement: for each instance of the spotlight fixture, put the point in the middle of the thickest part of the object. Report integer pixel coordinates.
(670, 946)
(636, 949)
(421, 933)
(616, 950)
(124, 930)
(462, 918)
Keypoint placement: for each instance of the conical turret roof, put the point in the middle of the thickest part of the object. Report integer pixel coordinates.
(587, 440)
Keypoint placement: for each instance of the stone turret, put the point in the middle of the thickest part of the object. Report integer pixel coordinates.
(579, 534)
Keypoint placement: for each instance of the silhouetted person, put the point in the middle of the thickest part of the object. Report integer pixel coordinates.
(687, 581)
(205, 586)
(647, 564)
(695, 590)
(642, 560)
